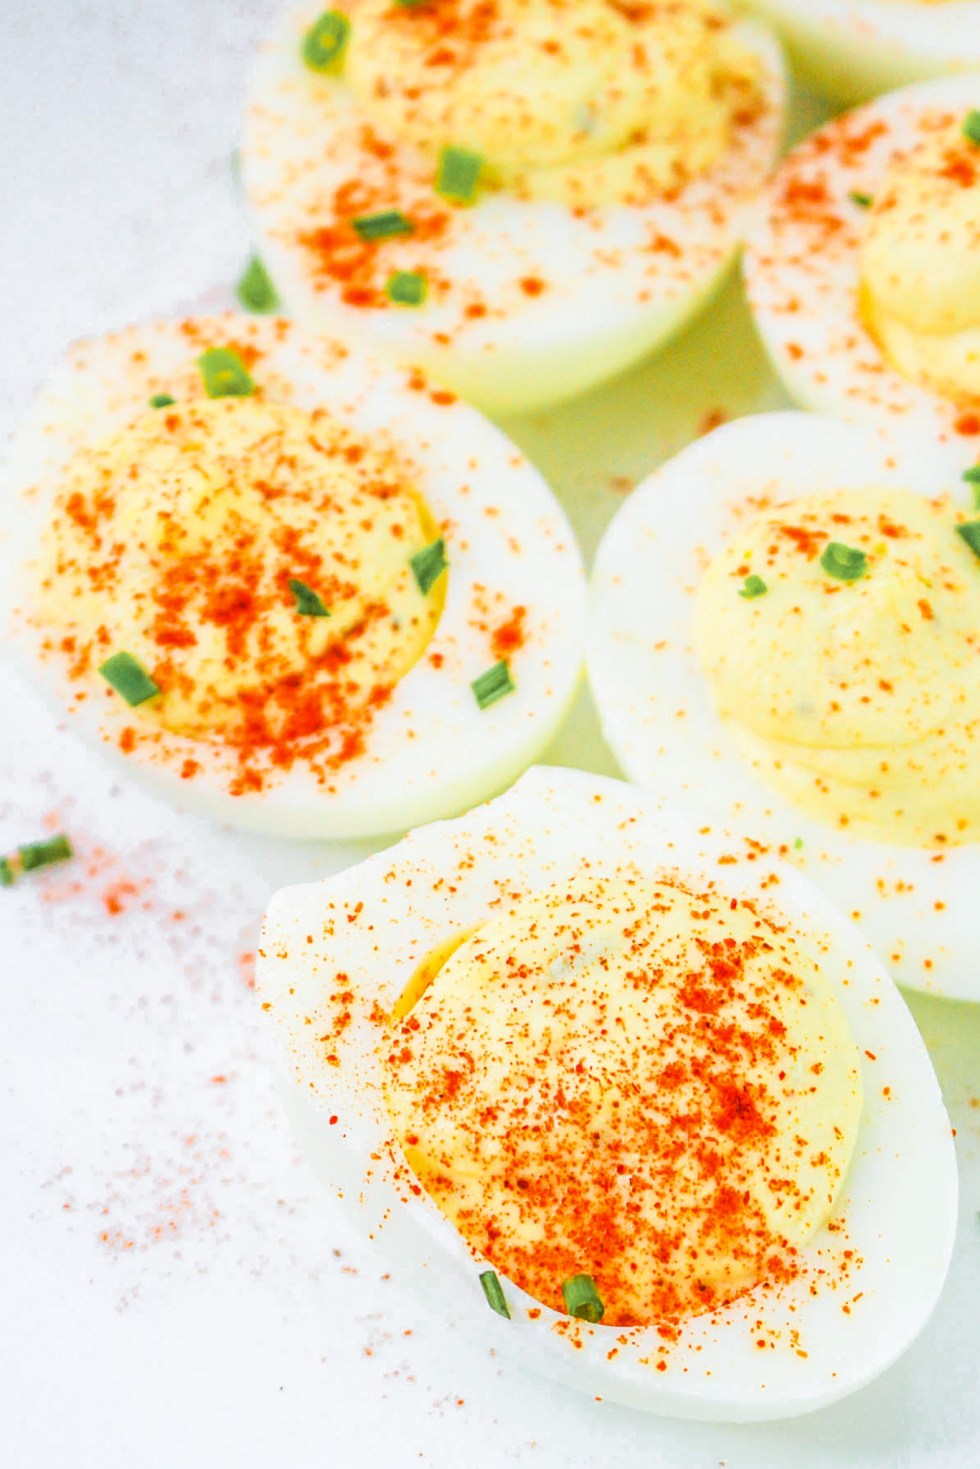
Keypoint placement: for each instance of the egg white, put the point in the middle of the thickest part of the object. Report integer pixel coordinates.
(802, 266)
(430, 750)
(609, 297)
(854, 49)
(656, 708)
(371, 926)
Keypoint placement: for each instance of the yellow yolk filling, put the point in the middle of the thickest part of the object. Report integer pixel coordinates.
(586, 101)
(175, 540)
(859, 700)
(647, 1084)
(920, 265)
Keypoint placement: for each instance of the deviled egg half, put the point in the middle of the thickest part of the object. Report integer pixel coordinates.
(521, 196)
(785, 635)
(864, 277)
(628, 1104)
(290, 587)
(854, 49)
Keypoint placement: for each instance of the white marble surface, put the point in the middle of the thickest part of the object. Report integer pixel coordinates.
(174, 1288)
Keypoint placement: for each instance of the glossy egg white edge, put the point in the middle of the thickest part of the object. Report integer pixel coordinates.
(619, 281)
(431, 751)
(850, 50)
(656, 710)
(899, 1200)
(802, 266)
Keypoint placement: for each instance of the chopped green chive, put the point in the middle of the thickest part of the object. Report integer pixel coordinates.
(308, 603)
(225, 374)
(863, 201)
(44, 854)
(582, 1299)
(754, 587)
(970, 532)
(457, 175)
(7, 874)
(428, 565)
(383, 226)
(255, 290)
(162, 400)
(129, 678)
(324, 42)
(971, 126)
(972, 477)
(798, 843)
(846, 563)
(494, 1293)
(406, 287)
(492, 685)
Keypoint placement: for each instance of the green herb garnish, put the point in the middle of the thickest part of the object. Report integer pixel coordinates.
(972, 477)
(457, 174)
(406, 287)
(255, 290)
(308, 602)
(325, 41)
(846, 563)
(798, 843)
(582, 1299)
(971, 126)
(494, 1293)
(863, 201)
(428, 565)
(129, 678)
(162, 400)
(383, 226)
(754, 587)
(969, 531)
(32, 856)
(7, 875)
(493, 685)
(225, 374)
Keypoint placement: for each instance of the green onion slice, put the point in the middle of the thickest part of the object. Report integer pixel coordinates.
(44, 854)
(582, 1299)
(493, 685)
(969, 531)
(971, 126)
(325, 41)
(972, 477)
(224, 374)
(7, 874)
(493, 1291)
(406, 287)
(863, 201)
(308, 602)
(129, 678)
(846, 563)
(255, 290)
(162, 400)
(754, 587)
(428, 565)
(383, 226)
(798, 843)
(457, 174)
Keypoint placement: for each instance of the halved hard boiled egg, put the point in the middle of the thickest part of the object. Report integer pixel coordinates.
(290, 587)
(783, 636)
(521, 198)
(622, 1099)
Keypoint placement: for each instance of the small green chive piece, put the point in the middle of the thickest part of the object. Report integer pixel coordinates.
(754, 587)
(308, 602)
(493, 685)
(457, 174)
(224, 374)
(162, 400)
(972, 477)
(428, 565)
(44, 854)
(255, 290)
(7, 875)
(969, 531)
(129, 678)
(582, 1299)
(845, 563)
(971, 126)
(798, 843)
(493, 1291)
(383, 226)
(325, 41)
(863, 201)
(406, 287)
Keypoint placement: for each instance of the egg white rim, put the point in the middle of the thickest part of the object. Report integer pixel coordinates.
(503, 528)
(899, 1198)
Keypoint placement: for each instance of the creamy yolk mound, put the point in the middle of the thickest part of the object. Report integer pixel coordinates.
(859, 700)
(645, 1083)
(920, 265)
(586, 101)
(175, 540)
